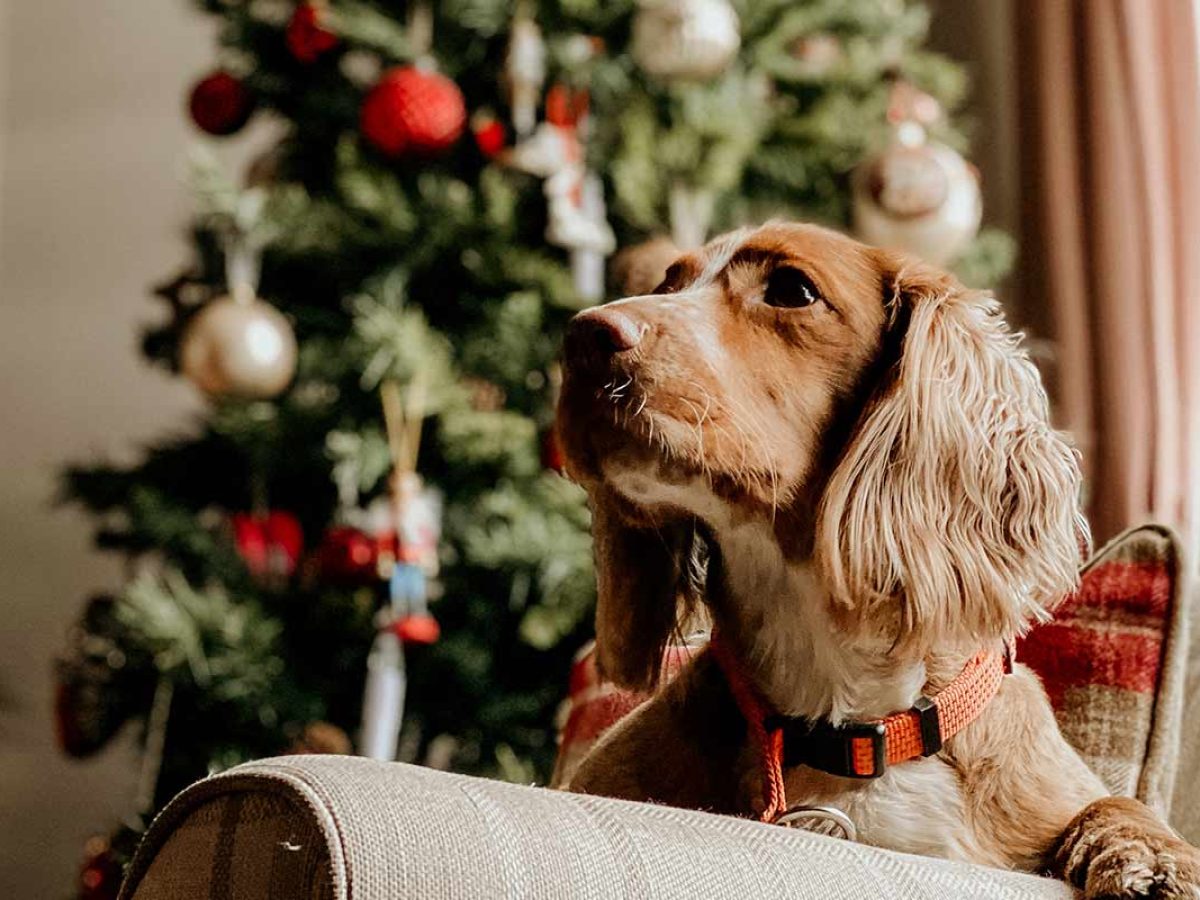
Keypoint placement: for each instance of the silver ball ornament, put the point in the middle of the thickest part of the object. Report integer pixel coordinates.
(689, 40)
(919, 197)
(239, 347)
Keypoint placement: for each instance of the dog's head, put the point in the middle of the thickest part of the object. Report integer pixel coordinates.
(877, 417)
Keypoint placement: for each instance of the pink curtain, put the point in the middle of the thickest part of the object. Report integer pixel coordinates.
(1110, 140)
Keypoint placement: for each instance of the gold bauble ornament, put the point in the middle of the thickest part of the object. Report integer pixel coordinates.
(917, 196)
(688, 40)
(239, 347)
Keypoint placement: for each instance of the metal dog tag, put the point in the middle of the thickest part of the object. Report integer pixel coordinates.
(806, 816)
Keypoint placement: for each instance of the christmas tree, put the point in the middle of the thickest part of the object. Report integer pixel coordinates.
(374, 310)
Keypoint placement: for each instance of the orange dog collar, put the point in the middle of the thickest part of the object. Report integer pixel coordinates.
(858, 749)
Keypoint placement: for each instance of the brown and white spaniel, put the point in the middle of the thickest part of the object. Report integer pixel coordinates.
(841, 458)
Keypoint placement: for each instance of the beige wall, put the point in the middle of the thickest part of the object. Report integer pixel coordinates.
(92, 138)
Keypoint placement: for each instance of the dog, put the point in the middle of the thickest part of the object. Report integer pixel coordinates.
(842, 458)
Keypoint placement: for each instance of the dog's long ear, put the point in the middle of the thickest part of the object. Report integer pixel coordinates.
(954, 507)
(641, 574)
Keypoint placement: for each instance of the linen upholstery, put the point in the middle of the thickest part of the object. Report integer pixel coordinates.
(368, 830)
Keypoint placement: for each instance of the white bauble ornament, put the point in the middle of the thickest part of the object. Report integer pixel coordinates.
(239, 347)
(685, 39)
(919, 197)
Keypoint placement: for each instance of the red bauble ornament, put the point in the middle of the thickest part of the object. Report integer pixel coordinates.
(220, 103)
(270, 544)
(413, 111)
(490, 136)
(348, 556)
(305, 37)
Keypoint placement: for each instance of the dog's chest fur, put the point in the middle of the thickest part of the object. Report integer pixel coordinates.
(808, 669)
(806, 666)
(916, 807)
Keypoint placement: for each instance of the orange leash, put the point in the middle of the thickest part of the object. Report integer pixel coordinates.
(769, 742)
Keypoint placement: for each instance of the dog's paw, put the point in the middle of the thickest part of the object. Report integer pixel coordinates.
(1140, 869)
(1116, 849)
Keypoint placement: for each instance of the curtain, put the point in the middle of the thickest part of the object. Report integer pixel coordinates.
(1109, 99)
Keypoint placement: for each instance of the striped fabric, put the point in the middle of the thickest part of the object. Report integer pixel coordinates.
(1112, 660)
(345, 828)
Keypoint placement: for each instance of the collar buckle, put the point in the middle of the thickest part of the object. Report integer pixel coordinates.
(851, 750)
(930, 723)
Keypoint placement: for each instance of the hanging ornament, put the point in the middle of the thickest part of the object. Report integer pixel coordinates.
(489, 132)
(918, 195)
(306, 38)
(413, 111)
(524, 71)
(639, 269)
(270, 544)
(688, 40)
(409, 529)
(577, 218)
(238, 345)
(220, 104)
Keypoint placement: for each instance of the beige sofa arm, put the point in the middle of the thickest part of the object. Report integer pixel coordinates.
(344, 828)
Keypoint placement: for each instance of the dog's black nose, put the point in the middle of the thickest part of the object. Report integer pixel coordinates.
(602, 332)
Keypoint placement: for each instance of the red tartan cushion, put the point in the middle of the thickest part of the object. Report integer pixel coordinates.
(1112, 661)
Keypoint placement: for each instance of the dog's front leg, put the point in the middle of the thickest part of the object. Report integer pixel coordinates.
(680, 748)
(1118, 848)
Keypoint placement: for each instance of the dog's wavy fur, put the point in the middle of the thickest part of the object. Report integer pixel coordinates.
(953, 490)
(874, 483)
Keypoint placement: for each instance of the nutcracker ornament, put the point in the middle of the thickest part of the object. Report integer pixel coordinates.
(407, 526)
(917, 195)
(577, 218)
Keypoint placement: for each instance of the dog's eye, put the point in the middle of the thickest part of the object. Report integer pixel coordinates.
(789, 287)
